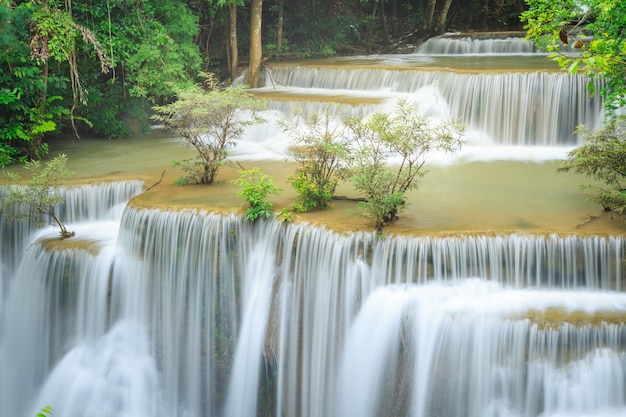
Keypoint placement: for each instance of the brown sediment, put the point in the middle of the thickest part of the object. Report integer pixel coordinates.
(554, 318)
(75, 243)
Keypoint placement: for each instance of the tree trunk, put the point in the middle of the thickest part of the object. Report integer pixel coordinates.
(383, 17)
(440, 24)
(234, 54)
(394, 19)
(279, 29)
(429, 12)
(256, 51)
(485, 15)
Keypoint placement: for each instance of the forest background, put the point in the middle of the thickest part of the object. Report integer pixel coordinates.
(97, 67)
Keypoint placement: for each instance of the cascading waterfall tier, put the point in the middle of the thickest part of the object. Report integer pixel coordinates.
(518, 108)
(83, 204)
(195, 314)
(457, 44)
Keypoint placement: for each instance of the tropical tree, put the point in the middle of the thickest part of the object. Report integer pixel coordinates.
(211, 120)
(584, 36)
(390, 155)
(38, 197)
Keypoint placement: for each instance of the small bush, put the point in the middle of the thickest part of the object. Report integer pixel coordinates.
(320, 154)
(254, 187)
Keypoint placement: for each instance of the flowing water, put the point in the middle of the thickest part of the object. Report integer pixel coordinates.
(184, 312)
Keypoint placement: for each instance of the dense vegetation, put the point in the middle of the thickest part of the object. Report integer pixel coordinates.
(587, 36)
(79, 66)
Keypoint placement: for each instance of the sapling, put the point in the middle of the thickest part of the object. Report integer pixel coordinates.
(37, 198)
(254, 189)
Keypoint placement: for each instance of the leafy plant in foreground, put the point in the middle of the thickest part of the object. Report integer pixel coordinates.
(254, 189)
(40, 195)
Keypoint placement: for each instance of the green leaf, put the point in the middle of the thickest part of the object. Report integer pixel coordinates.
(573, 67)
(591, 88)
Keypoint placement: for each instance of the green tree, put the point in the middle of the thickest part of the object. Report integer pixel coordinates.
(391, 151)
(320, 150)
(593, 29)
(254, 187)
(603, 158)
(40, 195)
(211, 122)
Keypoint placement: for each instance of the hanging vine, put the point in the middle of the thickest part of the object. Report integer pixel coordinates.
(54, 34)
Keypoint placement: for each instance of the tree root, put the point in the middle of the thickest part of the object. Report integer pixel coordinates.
(588, 220)
(343, 197)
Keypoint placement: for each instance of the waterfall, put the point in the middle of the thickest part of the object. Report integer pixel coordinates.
(167, 313)
(99, 201)
(189, 313)
(84, 203)
(463, 44)
(511, 108)
(468, 354)
(56, 297)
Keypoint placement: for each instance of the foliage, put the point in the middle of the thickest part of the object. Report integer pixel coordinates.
(40, 194)
(151, 44)
(56, 35)
(603, 158)
(315, 33)
(45, 412)
(105, 63)
(211, 122)
(320, 151)
(285, 215)
(390, 154)
(564, 27)
(29, 113)
(254, 189)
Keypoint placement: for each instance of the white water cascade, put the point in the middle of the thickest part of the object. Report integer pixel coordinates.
(192, 314)
(508, 108)
(476, 44)
(184, 313)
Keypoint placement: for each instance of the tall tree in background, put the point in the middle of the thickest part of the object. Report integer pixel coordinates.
(234, 47)
(279, 24)
(253, 77)
(442, 17)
